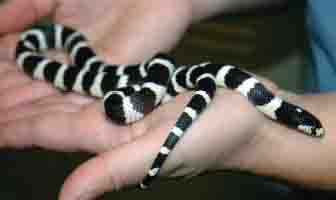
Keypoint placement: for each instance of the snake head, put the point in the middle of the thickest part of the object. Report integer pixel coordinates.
(123, 109)
(297, 117)
(308, 123)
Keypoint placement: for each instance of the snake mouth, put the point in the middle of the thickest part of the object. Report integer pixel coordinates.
(319, 132)
(312, 130)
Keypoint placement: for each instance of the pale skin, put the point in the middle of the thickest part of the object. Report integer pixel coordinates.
(35, 114)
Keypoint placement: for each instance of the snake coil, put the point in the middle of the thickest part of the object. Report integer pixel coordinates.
(132, 91)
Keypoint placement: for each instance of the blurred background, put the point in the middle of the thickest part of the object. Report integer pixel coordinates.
(272, 44)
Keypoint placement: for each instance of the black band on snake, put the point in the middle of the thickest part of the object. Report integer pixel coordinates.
(132, 91)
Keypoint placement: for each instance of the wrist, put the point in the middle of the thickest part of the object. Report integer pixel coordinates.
(246, 156)
(289, 155)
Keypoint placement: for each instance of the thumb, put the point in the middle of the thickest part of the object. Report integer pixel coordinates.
(20, 14)
(113, 170)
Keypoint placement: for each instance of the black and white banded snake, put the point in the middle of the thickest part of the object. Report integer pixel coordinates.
(132, 91)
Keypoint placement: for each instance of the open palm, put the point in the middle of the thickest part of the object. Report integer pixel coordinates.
(119, 30)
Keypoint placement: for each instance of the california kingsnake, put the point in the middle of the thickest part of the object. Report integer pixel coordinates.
(132, 91)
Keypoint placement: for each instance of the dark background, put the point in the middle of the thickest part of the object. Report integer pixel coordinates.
(269, 43)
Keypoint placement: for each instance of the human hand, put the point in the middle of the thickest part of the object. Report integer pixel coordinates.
(226, 136)
(119, 30)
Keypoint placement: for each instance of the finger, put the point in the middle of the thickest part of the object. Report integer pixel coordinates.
(47, 130)
(13, 79)
(24, 94)
(25, 111)
(55, 129)
(28, 12)
(16, 9)
(7, 66)
(65, 127)
(7, 47)
(55, 102)
(101, 134)
(113, 170)
(60, 98)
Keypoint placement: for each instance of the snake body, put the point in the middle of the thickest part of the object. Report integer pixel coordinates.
(132, 91)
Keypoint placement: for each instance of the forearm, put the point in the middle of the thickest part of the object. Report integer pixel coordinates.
(286, 154)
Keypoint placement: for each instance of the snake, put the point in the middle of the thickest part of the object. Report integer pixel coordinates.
(132, 91)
